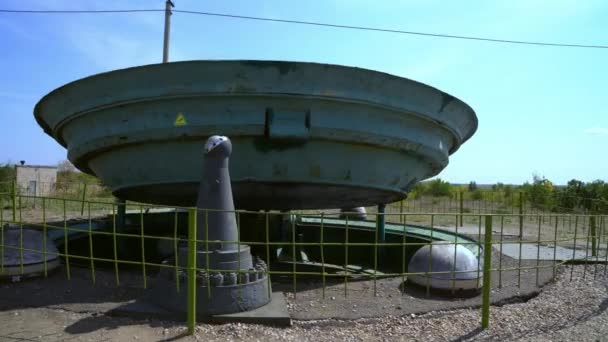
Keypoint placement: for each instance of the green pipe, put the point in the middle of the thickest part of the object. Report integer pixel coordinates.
(191, 313)
(121, 214)
(381, 221)
(487, 266)
(381, 237)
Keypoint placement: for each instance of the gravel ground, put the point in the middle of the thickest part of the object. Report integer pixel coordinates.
(564, 311)
(388, 299)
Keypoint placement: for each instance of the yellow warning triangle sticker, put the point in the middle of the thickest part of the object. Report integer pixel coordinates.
(180, 120)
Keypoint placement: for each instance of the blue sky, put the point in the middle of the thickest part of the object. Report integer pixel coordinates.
(541, 109)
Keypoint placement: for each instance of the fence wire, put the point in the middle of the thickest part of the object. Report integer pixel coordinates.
(330, 248)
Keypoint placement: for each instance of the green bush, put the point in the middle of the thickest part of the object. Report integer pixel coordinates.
(434, 188)
(540, 194)
(477, 195)
(7, 175)
(578, 195)
(472, 186)
(508, 192)
(417, 191)
(438, 188)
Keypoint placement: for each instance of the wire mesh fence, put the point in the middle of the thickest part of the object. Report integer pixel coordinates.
(328, 249)
(487, 201)
(500, 202)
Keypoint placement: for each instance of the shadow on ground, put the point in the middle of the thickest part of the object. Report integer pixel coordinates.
(313, 300)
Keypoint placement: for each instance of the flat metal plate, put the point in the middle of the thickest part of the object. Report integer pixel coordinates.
(26, 247)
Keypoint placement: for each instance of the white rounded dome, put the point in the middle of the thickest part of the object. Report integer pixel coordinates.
(460, 268)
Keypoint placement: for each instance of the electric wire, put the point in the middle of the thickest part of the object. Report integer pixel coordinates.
(311, 23)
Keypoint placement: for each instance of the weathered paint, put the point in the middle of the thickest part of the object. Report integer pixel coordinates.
(337, 136)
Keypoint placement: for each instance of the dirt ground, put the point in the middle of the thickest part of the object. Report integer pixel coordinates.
(58, 309)
(53, 310)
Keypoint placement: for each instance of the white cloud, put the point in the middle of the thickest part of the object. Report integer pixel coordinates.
(597, 130)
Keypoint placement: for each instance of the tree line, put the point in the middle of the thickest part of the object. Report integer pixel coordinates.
(540, 193)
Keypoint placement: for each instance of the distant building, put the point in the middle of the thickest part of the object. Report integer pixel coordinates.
(35, 180)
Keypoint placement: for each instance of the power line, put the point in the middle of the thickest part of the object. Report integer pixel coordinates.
(311, 23)
(78, 11)
(364, 28)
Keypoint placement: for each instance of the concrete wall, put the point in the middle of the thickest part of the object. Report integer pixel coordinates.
(36, 180)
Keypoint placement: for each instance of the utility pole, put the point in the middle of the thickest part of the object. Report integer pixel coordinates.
(168, 6)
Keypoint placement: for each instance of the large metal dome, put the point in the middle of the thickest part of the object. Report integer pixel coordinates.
(305, 135)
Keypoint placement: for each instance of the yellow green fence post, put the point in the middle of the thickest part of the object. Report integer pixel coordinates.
(593, 236)
(191, 313)
(84, 196)
(14, 199)
(487, 266)
(521, 214)
(381, 220)
(461, 206)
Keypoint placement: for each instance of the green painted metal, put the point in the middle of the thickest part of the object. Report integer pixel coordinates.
(322, 256)
(20, 237)
(143, 249)
(121, 213)
(191, 309)
(267, 236)
(521, 213)
(381, 223)
(2, 241)
(593, 236)
(461, 207)
(538, 242)
(115, 245)
(487, 271)
(44, 237)
(555, 246)
(380, 237)
(14, 199)
(413, 231)
(84, 197)
(90, 233)
(428, 279)
(175, 251)
(65, 242)
(303, 133)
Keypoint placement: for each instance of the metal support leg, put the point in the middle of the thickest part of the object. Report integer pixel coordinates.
(381, 219)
